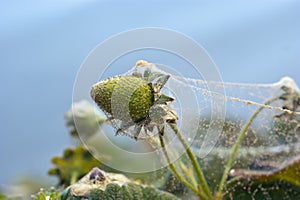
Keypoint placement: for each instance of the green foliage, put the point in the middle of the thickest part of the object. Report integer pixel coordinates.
(288, 172)
(174, 186)
(2, 196)
(52, 194)
(130, 191)
(249, 190)
(113, 191)
(73, 165)
(274, 184)
(135, 190)
(150, 193)
(110, 187)
(97, 194)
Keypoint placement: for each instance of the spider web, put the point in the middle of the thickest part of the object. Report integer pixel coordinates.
(241, 102)
(212, 115)
(272, 139)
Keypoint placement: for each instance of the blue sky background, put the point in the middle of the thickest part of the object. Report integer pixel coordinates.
(43, 43)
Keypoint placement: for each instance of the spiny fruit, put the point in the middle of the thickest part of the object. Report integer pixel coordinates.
(127, 98)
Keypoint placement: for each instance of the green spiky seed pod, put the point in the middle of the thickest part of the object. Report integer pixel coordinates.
(127, 98)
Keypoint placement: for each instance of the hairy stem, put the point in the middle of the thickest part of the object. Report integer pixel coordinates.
(188, 173)
(176, 173)
(194, 161)
(236, 147)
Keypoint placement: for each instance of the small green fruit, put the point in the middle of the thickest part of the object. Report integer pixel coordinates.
(127, 98)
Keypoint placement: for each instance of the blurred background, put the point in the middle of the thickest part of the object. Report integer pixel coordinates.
(43, 44)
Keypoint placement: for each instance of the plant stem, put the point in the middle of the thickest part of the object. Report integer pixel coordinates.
(188, 173)
(193, 159)
(236, 147)
(74, 177)
(174, 170)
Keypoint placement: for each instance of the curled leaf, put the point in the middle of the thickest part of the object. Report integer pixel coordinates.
(289, 172)
(283, 181)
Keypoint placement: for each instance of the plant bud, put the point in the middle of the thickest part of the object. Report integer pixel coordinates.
(127, 98)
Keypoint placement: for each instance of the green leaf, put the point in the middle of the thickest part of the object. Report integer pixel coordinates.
(97, 194)
(65, 194)
(42, 196)
(281, 182)
(150, 193)
(126, 193)
(288, 172)
(167, 196)
(112, 186)
(135, 190)
(113, 192)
